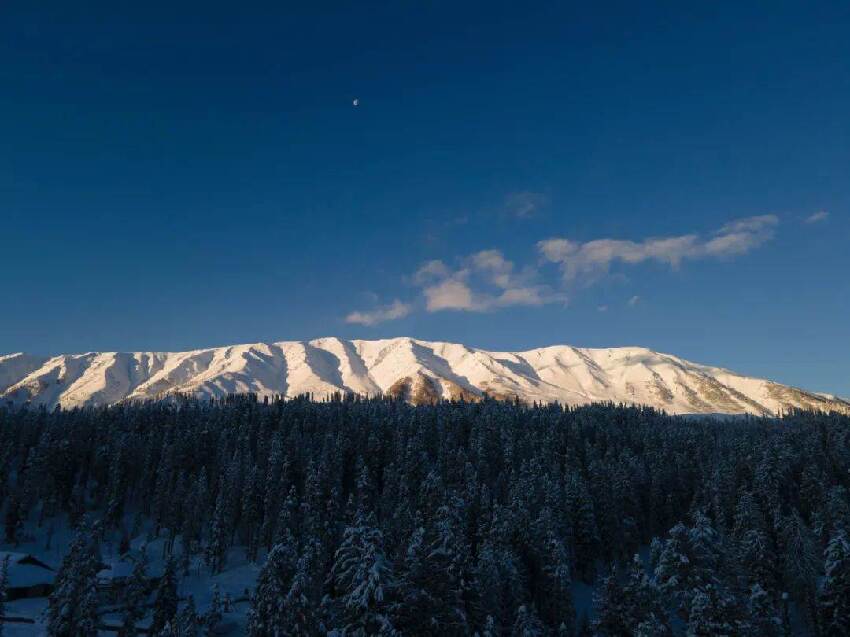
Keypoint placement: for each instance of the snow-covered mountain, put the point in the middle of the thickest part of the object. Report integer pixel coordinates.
(420, 371)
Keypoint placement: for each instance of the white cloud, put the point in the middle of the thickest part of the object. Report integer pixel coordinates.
(391, 312)
(431, 271)
(821, 215)
(593, 258)
(485, 280)
(451, 294)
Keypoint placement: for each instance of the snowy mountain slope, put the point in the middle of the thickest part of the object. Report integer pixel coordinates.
(419, 371)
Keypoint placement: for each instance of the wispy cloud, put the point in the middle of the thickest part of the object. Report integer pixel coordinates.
(391, 312)
(525, 204)
(594, 258)
(486, 280)
(821, 215)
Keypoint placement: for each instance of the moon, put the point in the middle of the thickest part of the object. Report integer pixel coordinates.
(355, 102)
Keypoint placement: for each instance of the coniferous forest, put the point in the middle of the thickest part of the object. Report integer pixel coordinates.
(374, 517)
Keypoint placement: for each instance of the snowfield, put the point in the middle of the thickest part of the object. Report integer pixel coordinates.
(419, 371)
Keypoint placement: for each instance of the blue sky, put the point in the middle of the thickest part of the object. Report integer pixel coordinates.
(661, 174)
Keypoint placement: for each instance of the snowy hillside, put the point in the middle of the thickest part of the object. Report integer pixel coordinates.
(420, 371)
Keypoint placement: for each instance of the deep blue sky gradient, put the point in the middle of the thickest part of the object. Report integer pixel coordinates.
(180, 177)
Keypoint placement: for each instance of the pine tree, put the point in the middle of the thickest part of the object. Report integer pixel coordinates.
(297, 606)
(216, 549)
(608, 602)
(447, 572)
(584, 531)
(411, 612)
(556, 602)
(363, 580)
(490, 629)
(4, 585)
(801, 563)
(527, 623)
(834, 592)
(642, 602)
(188, 622)
(267, 615)
(135, 596)
(14, 520)
(165, 598)
(213, 615)
(763, 615)
(709, 615)
(688, 562)
(72, 606)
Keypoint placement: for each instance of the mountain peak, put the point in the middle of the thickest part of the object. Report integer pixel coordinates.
(416, 370)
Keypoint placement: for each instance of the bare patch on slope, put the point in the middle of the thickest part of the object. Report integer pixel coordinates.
(658, 388)
(793, 398)
(419, 390)
(717, 395)
(699, 405)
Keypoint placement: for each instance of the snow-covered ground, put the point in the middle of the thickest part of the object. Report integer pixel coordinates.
(419, 370)
(235, 582)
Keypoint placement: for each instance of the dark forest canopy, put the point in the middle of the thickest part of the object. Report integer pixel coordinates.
(377, 517)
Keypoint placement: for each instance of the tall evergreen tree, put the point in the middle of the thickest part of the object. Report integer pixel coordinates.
(72, 606)
(4, 585)
(135, 596)
(165, 598)
(612, 618)
(834, 592)
(268, 616)
(363, 580)
(188, 622)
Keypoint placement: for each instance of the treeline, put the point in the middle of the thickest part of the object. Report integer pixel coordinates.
(372, 517)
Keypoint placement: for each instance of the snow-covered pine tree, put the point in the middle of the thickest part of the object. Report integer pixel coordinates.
(188, 623)
(4, 585)
(712, 614)
(556, 601)
(688, 562)
(267, 616)
(584, 531)
(213, 615)
(219, 535)
(527, 623)
(834, 591)
(411, 610)
(763, 615)
(135, 596)
(298, 608)
(642, 601)
(165, 598)
(363, 580)
(72, 606)
(612, 618)
(800, 562)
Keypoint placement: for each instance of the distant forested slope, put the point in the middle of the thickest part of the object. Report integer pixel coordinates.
(370, 517)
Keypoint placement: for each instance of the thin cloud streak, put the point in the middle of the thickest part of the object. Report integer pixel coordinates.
(525, 204)
(821, 215)
(395, 310)
(593, 259)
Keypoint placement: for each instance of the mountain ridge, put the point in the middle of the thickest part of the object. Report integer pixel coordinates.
(417, 370)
